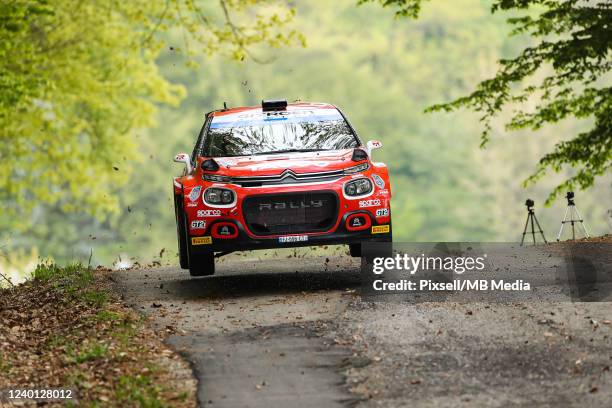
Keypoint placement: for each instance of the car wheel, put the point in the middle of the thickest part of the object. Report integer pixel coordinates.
(181, 232)
(202, 264)
(355, 250)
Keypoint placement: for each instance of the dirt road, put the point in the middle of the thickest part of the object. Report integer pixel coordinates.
(294, 333)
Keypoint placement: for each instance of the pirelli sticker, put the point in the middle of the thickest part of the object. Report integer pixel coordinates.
(201, 240)
(380, 229)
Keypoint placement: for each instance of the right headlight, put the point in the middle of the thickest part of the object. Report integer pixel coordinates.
(358, 187)
(218, 196)
(357, 169)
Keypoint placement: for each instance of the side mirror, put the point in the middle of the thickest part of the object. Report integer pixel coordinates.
(184, 158)
(372, 145)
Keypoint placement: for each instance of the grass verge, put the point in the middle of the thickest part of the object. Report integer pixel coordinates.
(66, 329)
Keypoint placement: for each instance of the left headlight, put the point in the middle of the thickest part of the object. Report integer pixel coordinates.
(358, 187)
(218, 196)
(216, 178)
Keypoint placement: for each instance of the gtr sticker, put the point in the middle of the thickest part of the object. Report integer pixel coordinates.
(201, 240)
(382, 212)
(380, 229)
(369, 203)
(195, 193)
(293, 238)
(198, 224)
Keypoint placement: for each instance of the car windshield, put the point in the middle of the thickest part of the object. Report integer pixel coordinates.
(278, 132)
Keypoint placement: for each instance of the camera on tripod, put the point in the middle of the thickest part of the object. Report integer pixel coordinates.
(572, 216)
(531, 218)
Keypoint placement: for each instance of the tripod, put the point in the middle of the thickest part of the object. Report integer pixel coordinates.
(572, 210)
(531, 217)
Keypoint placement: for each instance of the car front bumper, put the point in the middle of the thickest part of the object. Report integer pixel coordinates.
(243, 241)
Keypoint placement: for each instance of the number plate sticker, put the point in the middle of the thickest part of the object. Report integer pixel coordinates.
(380, 229)
(293, 238)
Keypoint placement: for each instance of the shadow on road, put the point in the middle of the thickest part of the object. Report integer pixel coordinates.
(217, 287)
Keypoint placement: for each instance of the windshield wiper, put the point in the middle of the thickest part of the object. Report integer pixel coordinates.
(288, 151)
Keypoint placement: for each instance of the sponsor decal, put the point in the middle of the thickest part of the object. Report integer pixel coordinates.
(259, 119)
(384, 192)
(369, 203)
(195, 193)
(380, 229)
(382, 212)
(192, 204)
(198, 224)
(378, 181)
(201, 240)
(209, 213)
(293, 238)
(356, 222)
(283, 205)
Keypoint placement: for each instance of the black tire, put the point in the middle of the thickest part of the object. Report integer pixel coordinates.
(355, 250)
(181, 232)
(202, 264)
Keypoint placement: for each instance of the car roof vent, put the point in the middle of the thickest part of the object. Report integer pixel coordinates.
(273, 105)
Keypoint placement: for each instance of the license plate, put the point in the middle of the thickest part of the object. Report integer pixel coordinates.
(293, 238)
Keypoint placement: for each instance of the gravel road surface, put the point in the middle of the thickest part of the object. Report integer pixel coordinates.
(295, 333)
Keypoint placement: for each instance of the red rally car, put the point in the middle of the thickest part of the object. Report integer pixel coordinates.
(278, 175)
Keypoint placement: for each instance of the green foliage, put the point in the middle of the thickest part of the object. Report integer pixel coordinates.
(79, 83)
(46, 272)
(382, 77)
(405, 8)
(88, 352)
(138, 389)
(571, 53)
(73, 279)
(86, 89)
(573, 38)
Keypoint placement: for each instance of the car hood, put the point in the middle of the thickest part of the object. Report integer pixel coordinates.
(273, 164)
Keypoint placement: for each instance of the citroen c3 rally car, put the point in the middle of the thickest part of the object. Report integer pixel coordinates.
(278, 175)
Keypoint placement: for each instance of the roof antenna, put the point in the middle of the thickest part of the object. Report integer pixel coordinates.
(224, 105)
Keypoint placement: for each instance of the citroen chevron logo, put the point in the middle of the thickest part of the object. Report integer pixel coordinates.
(288, 173)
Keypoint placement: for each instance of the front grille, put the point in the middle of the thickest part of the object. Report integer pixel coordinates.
(291, 213)
(287, 177)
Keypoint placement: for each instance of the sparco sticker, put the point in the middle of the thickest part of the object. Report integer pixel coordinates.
(369, 203)
(293, 238)
(378, 181)
(195, 193)
(209, 213)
